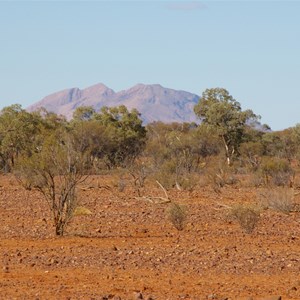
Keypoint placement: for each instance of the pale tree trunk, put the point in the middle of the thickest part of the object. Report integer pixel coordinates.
(229, 154)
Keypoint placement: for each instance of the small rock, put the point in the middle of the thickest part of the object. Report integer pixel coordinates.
(269, 252)
(5, 269)
(137, 296)
(109, 296)
(272, 298)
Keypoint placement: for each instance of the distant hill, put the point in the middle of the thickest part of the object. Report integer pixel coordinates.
(154, 102)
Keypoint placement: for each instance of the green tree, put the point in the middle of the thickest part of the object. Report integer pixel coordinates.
(125, 135)
(83, 113)
(18, 129)
(91, 137)
(218, 110)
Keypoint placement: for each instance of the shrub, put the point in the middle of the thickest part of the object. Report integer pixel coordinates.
(280, 199)
(255, 180)
(251, 153)
(55, 171)
(188, 181)
(121, 185)
(177, 215)
(139, 171)
(166, 174)
(220, 175)
(276, 171)
(246, 215)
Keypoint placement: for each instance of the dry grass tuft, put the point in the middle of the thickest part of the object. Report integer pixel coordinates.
(247, 216)
(177, 215)
(81, 211)
(279, 199)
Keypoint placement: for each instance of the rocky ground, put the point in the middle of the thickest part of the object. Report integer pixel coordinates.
(128, 249)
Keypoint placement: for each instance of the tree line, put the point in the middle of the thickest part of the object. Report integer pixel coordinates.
(53, 155)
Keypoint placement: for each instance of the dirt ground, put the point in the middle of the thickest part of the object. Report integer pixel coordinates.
(128, 249)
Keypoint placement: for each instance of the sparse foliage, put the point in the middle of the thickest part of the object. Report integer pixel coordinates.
(177, 214)
(246, 215)
(276, 171)
(55, 170)
(220, 175)
(251, 153)
(178, 152)
(280, 199)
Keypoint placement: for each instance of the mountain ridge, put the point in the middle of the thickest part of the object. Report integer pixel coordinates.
(153, 101)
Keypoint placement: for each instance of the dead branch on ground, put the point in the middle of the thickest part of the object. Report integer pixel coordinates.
(156, 200)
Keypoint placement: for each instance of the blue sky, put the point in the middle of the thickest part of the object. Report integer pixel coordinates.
(251, 48)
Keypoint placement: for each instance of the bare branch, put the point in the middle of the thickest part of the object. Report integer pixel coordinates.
(167, 197)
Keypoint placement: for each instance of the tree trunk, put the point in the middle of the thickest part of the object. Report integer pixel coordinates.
(59, 228)
(227, 151)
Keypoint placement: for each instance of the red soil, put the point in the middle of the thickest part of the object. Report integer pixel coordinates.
(128, 245)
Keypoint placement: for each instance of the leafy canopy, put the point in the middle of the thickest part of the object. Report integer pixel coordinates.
(224, 115)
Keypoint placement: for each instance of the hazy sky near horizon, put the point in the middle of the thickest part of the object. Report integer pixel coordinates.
(251, 48)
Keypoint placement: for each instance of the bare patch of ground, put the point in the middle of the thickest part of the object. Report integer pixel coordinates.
(127, 248)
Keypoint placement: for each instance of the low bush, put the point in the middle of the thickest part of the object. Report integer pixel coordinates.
(279, 199)
(276, 171)
(247, 216)
(166, 174)
(187, 181)
(219, 176)
(177, 215)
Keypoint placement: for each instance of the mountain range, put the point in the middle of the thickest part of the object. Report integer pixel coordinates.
(154, 102)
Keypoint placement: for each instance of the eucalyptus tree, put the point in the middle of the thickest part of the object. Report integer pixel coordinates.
(125, 135)
(218, 110)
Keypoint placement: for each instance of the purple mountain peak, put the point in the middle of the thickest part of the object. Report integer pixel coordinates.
(153, 101)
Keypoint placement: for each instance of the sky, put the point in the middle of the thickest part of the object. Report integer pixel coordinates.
(250, 48)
